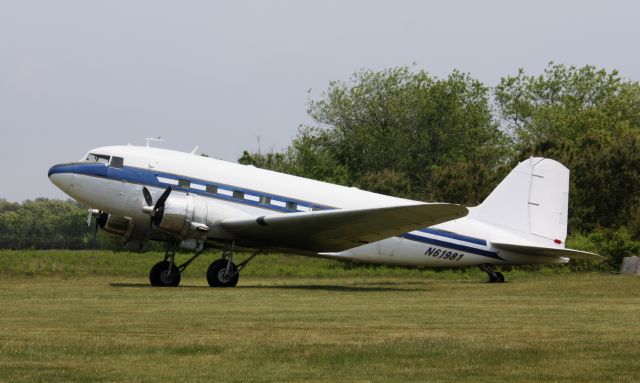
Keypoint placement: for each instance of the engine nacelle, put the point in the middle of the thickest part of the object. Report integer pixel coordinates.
(183, 215)
(117, 226)
(136, 236)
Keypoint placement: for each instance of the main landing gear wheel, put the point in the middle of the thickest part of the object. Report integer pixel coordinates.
(222, 273)
(164, 274)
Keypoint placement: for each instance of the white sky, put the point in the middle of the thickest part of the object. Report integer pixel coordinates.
(80, 74)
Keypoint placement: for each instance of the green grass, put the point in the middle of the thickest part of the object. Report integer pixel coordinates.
(70, 323)
(84, 263)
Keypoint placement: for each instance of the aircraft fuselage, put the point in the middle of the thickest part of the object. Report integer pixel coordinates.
(225, 189)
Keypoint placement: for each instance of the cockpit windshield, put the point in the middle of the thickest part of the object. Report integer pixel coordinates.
(92, 157)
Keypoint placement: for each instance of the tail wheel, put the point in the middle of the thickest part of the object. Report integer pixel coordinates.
(496, 277)
(164, 274)
(219, 276)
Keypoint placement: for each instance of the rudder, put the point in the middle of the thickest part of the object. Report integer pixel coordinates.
(532, 199)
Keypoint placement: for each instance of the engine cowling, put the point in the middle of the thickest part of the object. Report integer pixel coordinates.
(189, 218)
(117, 226)
(182, 215)
(136, 236)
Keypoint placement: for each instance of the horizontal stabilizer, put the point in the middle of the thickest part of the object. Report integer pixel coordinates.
(547, 251)
(340, 229)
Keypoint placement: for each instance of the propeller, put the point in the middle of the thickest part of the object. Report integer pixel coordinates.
(159, 206)
(157, 211)
(100, 220)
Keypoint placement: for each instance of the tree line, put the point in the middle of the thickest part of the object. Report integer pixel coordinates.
(406, 133)
(49, 224)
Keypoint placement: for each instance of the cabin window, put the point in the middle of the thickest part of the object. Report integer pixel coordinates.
(98, 158)
(292, 205)
(185, 184)
(265, 200)
(117, 162)
(211, 189)
(238, 194)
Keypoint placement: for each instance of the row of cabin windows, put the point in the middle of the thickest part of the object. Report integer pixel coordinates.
(118, 162)
(237, 194)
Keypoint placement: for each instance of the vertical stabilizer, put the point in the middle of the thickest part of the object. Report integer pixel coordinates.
(532, 199)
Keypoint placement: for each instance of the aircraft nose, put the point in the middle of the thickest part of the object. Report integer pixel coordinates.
(60, 175)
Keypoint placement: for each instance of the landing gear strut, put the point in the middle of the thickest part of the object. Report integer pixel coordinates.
(223, 272)
(166, 273)
(494, 276)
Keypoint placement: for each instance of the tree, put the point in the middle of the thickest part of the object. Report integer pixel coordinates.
(564, 103)
(605, 178)
(407, 125)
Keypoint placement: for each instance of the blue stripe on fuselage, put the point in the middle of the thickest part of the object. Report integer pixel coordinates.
(449, 245)
(451, 235)
(149, 178)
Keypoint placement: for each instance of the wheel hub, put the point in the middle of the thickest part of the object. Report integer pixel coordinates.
(223, 276)
(166, 276)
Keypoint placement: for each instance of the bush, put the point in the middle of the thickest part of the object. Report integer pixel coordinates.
(613, 244)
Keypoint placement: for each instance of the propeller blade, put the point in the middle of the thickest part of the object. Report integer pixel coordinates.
(147, 196)
(162, 199)
(95, 238)
(157, 217)
(101, 220)
(89, 218)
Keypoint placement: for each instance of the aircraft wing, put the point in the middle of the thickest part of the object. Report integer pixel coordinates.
(341, 229)
(547, 251)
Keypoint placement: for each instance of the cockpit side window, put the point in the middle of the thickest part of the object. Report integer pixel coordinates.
(92, 157)
(117, 162)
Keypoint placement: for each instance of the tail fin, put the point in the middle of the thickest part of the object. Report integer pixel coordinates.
(532, 199)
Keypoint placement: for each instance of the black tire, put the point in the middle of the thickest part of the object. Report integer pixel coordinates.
(164, 274)
(492, 278)
(216, 274)
(499, 277)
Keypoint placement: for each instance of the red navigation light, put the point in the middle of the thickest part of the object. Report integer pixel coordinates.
(557, 241)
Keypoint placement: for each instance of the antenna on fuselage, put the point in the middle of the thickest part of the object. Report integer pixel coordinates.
(152, 139)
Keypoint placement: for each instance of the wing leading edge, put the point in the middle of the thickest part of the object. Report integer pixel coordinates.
(341, 229)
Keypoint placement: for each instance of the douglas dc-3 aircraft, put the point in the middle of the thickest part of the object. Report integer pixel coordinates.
(195, 202)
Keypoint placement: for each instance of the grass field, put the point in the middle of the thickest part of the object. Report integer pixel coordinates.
(70, 323)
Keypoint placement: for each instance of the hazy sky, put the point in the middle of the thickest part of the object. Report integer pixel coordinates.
(218, 74)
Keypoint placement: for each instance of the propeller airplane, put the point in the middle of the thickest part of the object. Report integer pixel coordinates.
(143, 194)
